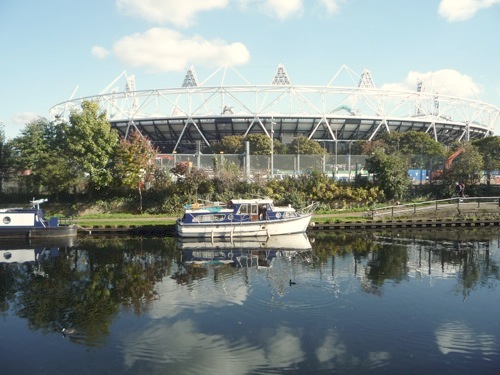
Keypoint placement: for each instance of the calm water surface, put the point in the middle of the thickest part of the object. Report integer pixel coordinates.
(354, 302)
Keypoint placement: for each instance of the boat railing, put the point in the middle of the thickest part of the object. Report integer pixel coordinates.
(309, 209)
(208, 205)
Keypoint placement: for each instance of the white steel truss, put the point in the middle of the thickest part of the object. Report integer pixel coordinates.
(206, 112)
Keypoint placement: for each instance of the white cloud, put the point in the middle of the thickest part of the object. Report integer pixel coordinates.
(445, 82)
(458, 337)
(332, 348)
(331, 6)
(461, 10)
(177, 12)
(23, 118)
(99, 52)
(177, 298)
(162, 50)
(282, 9)
(182, 349)
(284, 348)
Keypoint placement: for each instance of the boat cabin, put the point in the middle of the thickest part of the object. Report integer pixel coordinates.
(237, 210)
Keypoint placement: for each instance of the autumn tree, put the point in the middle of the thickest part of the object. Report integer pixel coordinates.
(134, 163)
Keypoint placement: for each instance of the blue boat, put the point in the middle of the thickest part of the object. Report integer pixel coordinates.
(31, 223)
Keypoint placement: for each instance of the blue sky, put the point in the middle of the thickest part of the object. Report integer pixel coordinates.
(52, 47)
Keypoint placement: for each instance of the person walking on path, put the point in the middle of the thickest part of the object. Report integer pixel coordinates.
(462, 189)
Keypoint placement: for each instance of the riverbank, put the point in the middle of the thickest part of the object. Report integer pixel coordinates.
(446, 216)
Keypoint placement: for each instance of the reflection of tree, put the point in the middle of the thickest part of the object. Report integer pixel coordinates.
(477, 270)
(85, 287)
(82, 290)
(388, 263)
(343, 242)
(8, 276)
(385, 255)
(188, 273)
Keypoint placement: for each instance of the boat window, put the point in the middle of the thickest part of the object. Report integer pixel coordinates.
(255, 209)
(209, 218)
(243, 209)
(6, 220)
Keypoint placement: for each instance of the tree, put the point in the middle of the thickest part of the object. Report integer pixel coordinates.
(91, 145)
(260, 144)
(231, 144)
(489, 148)
(420, 147)
(41, 156)
(305, 146)
(6, 159)
(390, 172)
(466, 168)
(30, 149)
(134, 163)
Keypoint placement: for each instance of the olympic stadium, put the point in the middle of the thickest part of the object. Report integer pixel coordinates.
(348, 107)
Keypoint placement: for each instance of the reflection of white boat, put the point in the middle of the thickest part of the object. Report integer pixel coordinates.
(23, 250)
(242, 218)
(31, 223)
(17, 256)
(297, 241)
(242, 252)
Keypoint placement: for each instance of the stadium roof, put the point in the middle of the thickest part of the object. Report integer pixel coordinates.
(226, 103)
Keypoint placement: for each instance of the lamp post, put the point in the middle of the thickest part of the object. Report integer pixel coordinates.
(349, 159)
(336, 161)
(272, 148)
(298, 156)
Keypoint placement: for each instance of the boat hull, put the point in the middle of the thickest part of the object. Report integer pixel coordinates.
(244, 229)
(38, 233)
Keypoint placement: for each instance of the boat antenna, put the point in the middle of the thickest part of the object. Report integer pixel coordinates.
(36, 203)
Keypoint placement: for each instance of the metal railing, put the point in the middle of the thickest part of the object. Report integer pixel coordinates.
(413, 208)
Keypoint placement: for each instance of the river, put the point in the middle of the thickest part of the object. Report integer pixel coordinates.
(346, 302)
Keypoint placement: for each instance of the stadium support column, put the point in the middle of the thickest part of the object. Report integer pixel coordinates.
(198, 155)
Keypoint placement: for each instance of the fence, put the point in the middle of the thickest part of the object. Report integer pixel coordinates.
(342, 167)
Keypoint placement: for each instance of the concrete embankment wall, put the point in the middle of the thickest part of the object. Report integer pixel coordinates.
(169, 230)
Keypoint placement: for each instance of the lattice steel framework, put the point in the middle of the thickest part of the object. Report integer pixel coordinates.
(177, 118)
